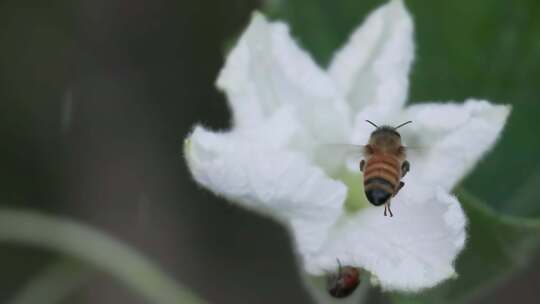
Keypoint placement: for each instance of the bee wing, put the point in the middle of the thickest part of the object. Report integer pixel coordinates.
(416, 150)
(337, 155)
(342, 151)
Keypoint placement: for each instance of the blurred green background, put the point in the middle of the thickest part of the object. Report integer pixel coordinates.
(96, 97)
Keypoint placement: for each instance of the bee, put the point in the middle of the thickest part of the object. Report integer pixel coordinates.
(384, 165)
(343, 283)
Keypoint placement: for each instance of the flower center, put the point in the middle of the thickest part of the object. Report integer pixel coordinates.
(356, 198)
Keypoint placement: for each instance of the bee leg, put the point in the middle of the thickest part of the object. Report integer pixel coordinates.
(384, 209)
(362, 164)
(401, 184)
(405, 167)
(389, 210)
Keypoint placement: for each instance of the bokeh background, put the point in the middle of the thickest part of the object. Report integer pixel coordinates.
(96, 97)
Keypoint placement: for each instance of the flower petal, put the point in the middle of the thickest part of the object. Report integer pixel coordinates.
(266, 70)
(373, 67)
(253, 170)
(415, 249)
(447, 140)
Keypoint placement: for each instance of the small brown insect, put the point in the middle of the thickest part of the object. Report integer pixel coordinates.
(343, 283)
(384, 165)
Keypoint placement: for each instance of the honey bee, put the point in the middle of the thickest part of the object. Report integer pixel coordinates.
(384, 165)
(343, 283)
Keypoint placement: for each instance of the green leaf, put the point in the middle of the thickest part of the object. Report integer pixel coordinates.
(497, 247)
(486, 49)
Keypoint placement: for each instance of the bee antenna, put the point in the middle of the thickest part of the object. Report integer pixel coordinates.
(370, 122)
(339, 268)
(401, 125)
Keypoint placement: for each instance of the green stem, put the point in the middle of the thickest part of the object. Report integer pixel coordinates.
(363, 288)
(55, 283)
(95, 248)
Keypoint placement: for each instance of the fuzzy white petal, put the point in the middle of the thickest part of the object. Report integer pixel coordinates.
(263, 176)
(413, 250)
(373, 67)
(267, 70)
(447, 140)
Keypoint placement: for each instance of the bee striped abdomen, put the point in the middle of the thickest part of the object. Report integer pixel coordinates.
(381, 178)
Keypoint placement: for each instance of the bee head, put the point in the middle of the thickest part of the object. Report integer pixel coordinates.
(384, 129)
(386, 138)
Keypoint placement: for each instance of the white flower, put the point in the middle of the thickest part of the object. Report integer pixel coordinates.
(284, 106)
